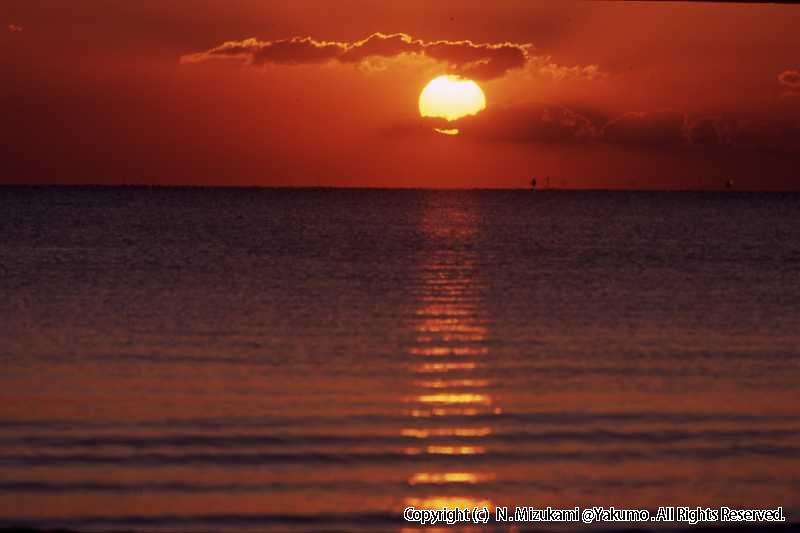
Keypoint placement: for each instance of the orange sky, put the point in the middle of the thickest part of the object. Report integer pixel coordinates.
(591, 94)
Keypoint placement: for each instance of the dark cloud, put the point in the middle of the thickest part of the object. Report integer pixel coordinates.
(790, 79)
(774, 135)
(661, 130)
(479, 61)
(283, 52)
(530, 123)
(657, 129)
(705, 132)
(380, 45)
(296, 51)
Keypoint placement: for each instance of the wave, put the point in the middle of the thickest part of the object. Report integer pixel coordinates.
(395, 419)
(466, 460)
(594, 436)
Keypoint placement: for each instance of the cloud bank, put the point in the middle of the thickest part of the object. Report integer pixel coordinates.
(657, 130)
(790, 79)
(480, 61)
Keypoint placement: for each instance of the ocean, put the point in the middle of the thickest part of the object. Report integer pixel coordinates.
(190, 359)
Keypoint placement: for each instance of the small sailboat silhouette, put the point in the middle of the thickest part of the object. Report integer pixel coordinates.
(533, 183)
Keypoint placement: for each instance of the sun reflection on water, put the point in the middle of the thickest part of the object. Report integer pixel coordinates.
(447, 432)
(450, 399)
(428, 478)
(449, 361)
(456, 450)
(448, 350)
(451, 383)
(445, 367)
(437, 502)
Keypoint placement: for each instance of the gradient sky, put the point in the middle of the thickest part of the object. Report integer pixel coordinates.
(590, 94)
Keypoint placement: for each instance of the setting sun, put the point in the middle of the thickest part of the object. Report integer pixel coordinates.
(451, 98)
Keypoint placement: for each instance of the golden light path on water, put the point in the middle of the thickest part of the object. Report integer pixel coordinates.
(450, 399)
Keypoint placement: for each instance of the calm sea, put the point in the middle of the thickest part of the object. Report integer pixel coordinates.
(230, 360)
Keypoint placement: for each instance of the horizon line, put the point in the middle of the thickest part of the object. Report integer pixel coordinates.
(394, 188)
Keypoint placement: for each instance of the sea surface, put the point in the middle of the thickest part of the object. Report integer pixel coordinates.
(312, 359)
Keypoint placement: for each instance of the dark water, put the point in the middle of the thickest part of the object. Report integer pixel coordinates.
(228, 360)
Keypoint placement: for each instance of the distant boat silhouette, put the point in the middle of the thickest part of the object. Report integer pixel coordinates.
(729, 184)
(533, 183)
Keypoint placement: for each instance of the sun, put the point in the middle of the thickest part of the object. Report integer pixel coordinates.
(451, 98)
